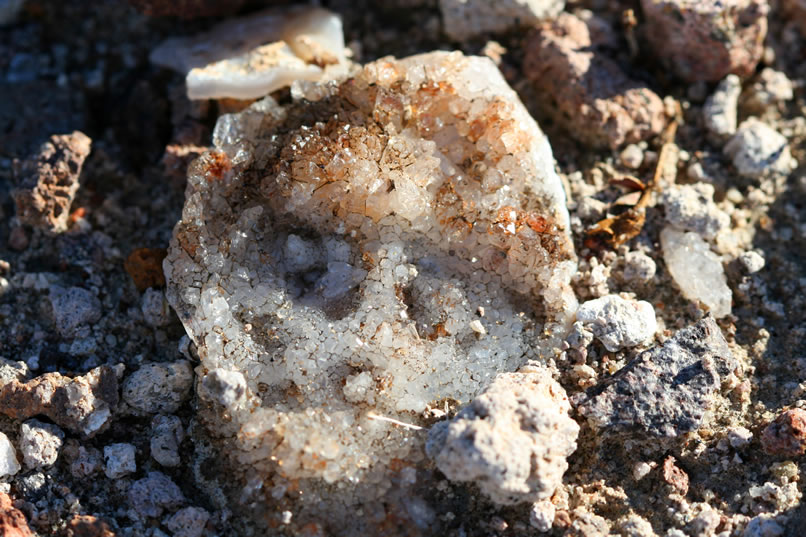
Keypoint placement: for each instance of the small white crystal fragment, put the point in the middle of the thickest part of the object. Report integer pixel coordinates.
(8, 457)
(618, 323)
(696, 269)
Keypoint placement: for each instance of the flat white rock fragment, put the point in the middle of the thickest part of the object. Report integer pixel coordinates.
(250, 57)
(512, 441)
(696, 269)
(618, 323)
(334, 257)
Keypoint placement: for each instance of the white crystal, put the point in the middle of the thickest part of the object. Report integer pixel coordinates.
(696, 269)
(618, 323)
(8, 457)
(250, 57)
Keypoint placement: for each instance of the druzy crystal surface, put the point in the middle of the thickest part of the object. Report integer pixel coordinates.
(368, 254)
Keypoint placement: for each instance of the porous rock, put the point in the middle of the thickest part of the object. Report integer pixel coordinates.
(188, 522)
(74, 308)
(81, 404)
(167, 435)
(367, 231)
(153, 494)
(47, 182)
(252, 56)
(40, 443)
(665, 391)
(786, 435)
(692, 208)
(119, 460)
(696, 269)
(12, 521)
(618, 323)
(758, 150)
(586, 91)
(512, 441)
(463, 19)
(159, 387)
(707, 39)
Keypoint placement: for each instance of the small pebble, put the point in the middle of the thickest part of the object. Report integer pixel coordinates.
(40, 443)
(632, 156)
(757, 150)
(739, 437)
(8, 457)
(151, 495)
(786, 436)
(73, 308)
(166, 438)
(188, 522)
(752, 261)
(120, 460)
(721, 109)
(639, 267)
(159, 387)
(618, 323)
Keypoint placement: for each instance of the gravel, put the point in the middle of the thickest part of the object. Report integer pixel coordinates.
(119, 460)
(9, 464)
(40, 443)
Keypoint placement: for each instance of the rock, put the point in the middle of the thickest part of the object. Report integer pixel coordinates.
(40, 443)
(692, 208)
(8, 457)
(120, 460)
(512, 441)
(86, 463)
(674, 476)
(786, 435)
(188, 9)
(541, 516)
(708, 39)
(696, 270)
(739, 437)
(639, 267)
(770, 88)
(144, 265)
(400, 253)
(12, 521)
(752, 261)
(151, 495)
(632, 156)
(82, 404)
(757, 150)
(10, 371)
(250, 57)
(586, 91)
(188, 522)
(47, 182)
(156, 311)
(167, 435)
(720, 111)
(665, 391)
(73, 309)
(463, 19)
(159, 387)
(86, 526)
(763, 525)
(618, 323)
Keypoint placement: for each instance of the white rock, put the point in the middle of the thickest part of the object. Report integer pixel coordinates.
(40, 443)
(692, 208)
(632, 156)
(512, 441)
(738, 437)
(250, 57)
(159, 387)
(757, 150)
(466, 18)
(166, 437)
(541, 516)
(8, 457)
(696, 269)
(227, 388)
(771, 87)
(119, 460)
(763, 525)
(721, 108)
(618, 323)
(752, 261)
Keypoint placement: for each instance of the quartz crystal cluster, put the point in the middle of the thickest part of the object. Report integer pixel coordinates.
(367, 254)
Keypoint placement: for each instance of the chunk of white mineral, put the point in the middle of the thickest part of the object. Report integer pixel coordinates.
(252, 56)
(512, 441)
(696, 269)
(337, 254)
(618, 323)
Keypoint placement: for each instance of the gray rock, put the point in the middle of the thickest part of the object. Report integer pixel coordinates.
(618, 323)
(120, 460)
(639, 267)
(151, 495)
(692, 208)
(665, 391)
(758, 150)
(159, 387)
(721, 108)
(165, 440)
(156, 311)
(188, 522)
(40, 443)
(512, 440)
(73, 308)
(10, 370)
(87, 462)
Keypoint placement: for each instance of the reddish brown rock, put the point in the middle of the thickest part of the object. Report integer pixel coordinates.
(585, 90)
(707, 39)
(87, 526)
(144, 265)
(675, 476)
(82, 404)
(786, 436)
(12, 521)
(47, 183)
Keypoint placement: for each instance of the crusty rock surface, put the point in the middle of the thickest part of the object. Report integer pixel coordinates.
(40, 443)
(82, 404)
(786, 435)
(159, 387)
(512, 441)
(618, 323)
(47, 183)
(150, 496)
(584, 89)
(463, 19)
(665, 391)
(692, 208)
(707, 39)
(12, 521)
(74, 309)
